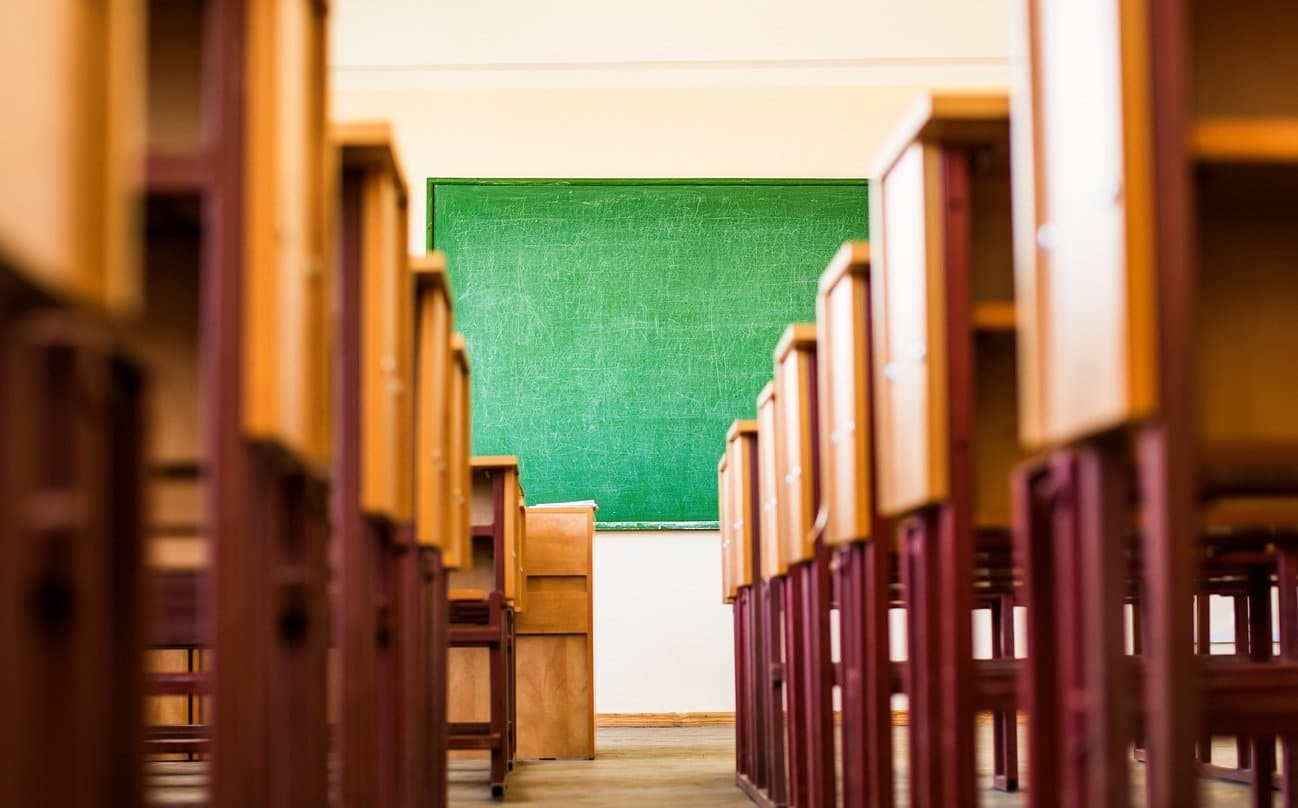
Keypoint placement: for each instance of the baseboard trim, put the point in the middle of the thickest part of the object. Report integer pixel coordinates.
(664, 719)
(900, 718)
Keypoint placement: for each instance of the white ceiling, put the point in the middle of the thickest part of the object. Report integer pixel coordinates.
(513, 43)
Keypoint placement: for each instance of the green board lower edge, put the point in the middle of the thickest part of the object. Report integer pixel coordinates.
(628, 527)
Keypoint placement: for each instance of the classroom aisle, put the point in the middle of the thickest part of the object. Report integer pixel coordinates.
(694, 766)
(681, 766)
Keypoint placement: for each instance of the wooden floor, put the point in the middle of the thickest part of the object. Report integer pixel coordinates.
(694, 766)
(688, 766)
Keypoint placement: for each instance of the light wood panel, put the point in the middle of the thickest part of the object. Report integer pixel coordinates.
(432, 400)
(386, 322)
(557, 544)
(741, 466)
(724, 519)
(1083, 227)
(556, 667)
(909, 332)
(560, 604)
(795, 435)
(555, 695)
(772, 557)
(469, 697)
(285, 202)
(457, 550)
(72, 83)
(843, 335)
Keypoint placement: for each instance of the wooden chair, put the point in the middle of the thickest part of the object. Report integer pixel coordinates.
(857, 534)
(373, 468)
(809, 665)
(944, 375)
(72, 409)
(1155, 274)
(483, 601)
(427, 575)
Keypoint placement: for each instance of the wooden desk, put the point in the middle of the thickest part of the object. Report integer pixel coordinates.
(1155, 268)
(860, 538)
(944, 383)
(809, 666)
(846, 412)
(373, 465)
(433, 368)
(556, 667)
(796, 441)
(427, 576)
(483, 638)
(498, 537)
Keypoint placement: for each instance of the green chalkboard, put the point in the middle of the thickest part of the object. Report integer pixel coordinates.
(616, 328)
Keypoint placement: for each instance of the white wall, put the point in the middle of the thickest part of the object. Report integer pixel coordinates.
(663, 638)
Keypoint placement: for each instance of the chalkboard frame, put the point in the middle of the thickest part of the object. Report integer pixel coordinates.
(430, 212)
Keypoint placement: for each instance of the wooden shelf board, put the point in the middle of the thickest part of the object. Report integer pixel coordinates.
(1245, 140)
(994, 317)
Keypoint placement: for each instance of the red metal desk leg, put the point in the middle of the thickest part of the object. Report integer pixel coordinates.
(1040, 677)
(864, 573)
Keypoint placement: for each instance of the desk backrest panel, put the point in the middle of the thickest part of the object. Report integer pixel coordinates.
(741, 466)
(724, 503)
(772, 552)
(72, 80)
(286, 376)
(371, 168)
(909, 333)
(1082, 222)
(432, 400)
(797, 422)
(457, 550)
(843, 336)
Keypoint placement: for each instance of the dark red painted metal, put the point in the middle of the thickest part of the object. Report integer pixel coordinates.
(71, 561)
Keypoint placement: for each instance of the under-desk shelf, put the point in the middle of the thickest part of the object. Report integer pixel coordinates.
(1238, 139)
(994, 316)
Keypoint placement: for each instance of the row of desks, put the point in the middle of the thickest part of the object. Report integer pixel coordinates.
(238, 408)
(1055, 380)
